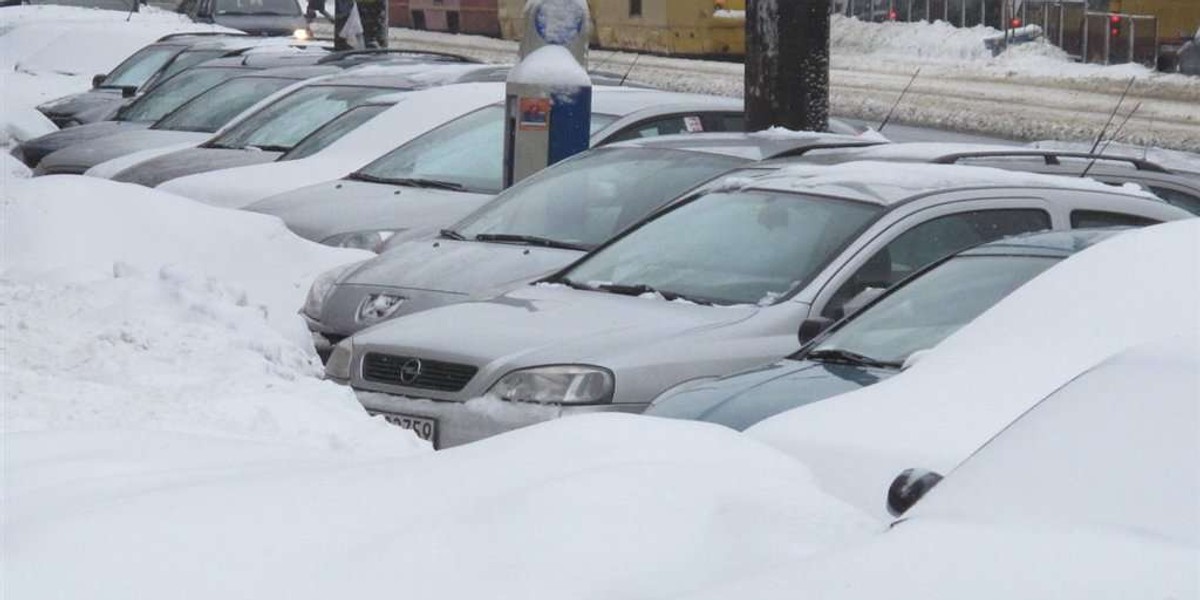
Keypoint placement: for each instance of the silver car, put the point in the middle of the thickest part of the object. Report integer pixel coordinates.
(533, 229)
(713, 284)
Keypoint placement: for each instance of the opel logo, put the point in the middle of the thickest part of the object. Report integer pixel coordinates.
(410, 371)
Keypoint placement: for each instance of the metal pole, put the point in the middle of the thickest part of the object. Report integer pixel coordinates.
(787, 64)
(1107, 42)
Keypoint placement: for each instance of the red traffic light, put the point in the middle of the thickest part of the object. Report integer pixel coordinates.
(1015, 23)
(1115, 19)
(892, 15)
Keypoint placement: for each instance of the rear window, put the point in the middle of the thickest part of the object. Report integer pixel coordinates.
(1092, 219)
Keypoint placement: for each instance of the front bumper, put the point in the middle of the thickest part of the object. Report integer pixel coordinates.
(464, 422)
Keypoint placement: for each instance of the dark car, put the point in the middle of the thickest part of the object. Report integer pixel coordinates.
(876, 343)
(255, 17)
(138, 73)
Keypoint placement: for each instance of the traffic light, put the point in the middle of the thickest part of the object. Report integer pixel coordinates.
(1114, 23)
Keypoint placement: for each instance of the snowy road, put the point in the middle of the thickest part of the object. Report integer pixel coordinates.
(1025, 98)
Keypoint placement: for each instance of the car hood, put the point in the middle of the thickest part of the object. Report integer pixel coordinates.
(469, 268)
(34, 150)
(187, 162)
(267, 25)
(88, 101)
(320, 211)
(82, 156)
(547, 324)
(743, 399)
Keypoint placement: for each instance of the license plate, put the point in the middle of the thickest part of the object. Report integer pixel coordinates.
(425, 429)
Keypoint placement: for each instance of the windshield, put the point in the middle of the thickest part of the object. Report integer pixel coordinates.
(214, 108)
(287, 120)
(747, 247)
(136, 69)
(188, 58)
(585, 201)
(172, 93)
(257, 7)
(932, 306)
(334, 130)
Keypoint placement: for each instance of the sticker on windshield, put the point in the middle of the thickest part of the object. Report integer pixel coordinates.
(693, 124)
(535, 114)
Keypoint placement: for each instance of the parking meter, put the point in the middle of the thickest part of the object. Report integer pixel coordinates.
(548, 102)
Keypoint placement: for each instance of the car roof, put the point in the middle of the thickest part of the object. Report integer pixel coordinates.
(404, 75)
(1054, 244)
(1066, 161)
(752, 146)
(615, 100)
(886, 183)
(297, 73)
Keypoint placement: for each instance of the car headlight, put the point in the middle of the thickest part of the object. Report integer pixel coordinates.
(338, 366)
(321, 287)
(362, 240)
(301, 34)
(559, 384)
(378, 307)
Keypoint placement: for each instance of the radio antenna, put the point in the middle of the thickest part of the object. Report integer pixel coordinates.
(903, 93)
(1110, 140)
(630, 69)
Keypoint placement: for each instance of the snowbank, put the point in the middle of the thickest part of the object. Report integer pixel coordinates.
(611, 506)
(936, 413)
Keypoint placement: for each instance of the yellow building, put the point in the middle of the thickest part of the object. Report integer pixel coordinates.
(1176, 18)
(675, 27)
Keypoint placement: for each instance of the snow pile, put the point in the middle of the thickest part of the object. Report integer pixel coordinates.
(47, 52)
(610, 506)
(126, 308)
(11, 168)
(932, 42)
(1063, 322)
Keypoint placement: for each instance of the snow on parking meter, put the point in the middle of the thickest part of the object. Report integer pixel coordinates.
(549, 92)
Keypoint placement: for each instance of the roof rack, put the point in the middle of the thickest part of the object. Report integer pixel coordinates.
(824, 144)
(171, 36)
(341, 55)
(1051, 157)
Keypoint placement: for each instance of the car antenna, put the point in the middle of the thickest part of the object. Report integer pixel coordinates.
(606, 59)
(1110, 139)
(630, 69)
(1113, 114)
(903, 93)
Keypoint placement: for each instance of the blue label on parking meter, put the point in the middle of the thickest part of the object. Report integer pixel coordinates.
(559, 21)
(570, 116)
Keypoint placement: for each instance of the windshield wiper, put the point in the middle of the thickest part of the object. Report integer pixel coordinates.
(452, 234)
(531, 240)
(427, 183)
(269, 148)
(639, 289)
(846, 357)
(574, 284)
(360, 176)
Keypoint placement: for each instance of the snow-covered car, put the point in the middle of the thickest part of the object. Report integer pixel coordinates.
(140, 72)
(1136, 287)
(164, 97)
(1092, 493)
(535, 228)
(431, 182)
(272, 130)
(713, 284)
(876, 342)
(1175, 186)
(282, 18)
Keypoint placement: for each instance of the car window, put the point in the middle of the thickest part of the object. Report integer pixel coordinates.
(185, 59)
(257, 7)
(925, 243)
(214, 108)
(334, 130)
(1184, 200)
(137, 69)
(172, 93)
(661, 126)
(588, 199)
(287, 120)
(1091, 219)
(748, 247)
(927, 309)
(725, 122)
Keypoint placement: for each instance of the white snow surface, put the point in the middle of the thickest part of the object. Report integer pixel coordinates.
(419, 112)
(47, 52)
(1078, 313)
(552, 66)
(610, 506)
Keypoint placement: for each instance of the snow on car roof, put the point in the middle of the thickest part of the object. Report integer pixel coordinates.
(754, 146)
(624, 100)
(889, 183)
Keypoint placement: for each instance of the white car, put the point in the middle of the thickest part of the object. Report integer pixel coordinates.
(715, 283)
(1093, 493)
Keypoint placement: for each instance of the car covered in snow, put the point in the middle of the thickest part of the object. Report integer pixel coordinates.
(878, 341)
(1090, 493)
(713, 284)
(530, 230)
(274, 129)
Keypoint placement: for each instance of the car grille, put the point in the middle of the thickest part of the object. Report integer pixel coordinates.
(433, 375)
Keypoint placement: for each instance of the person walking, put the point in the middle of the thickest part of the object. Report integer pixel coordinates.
(314, 7)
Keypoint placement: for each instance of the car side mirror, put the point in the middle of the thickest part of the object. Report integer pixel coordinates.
(98, 79)
(128, 91)
(909, 487)
(811, 328)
